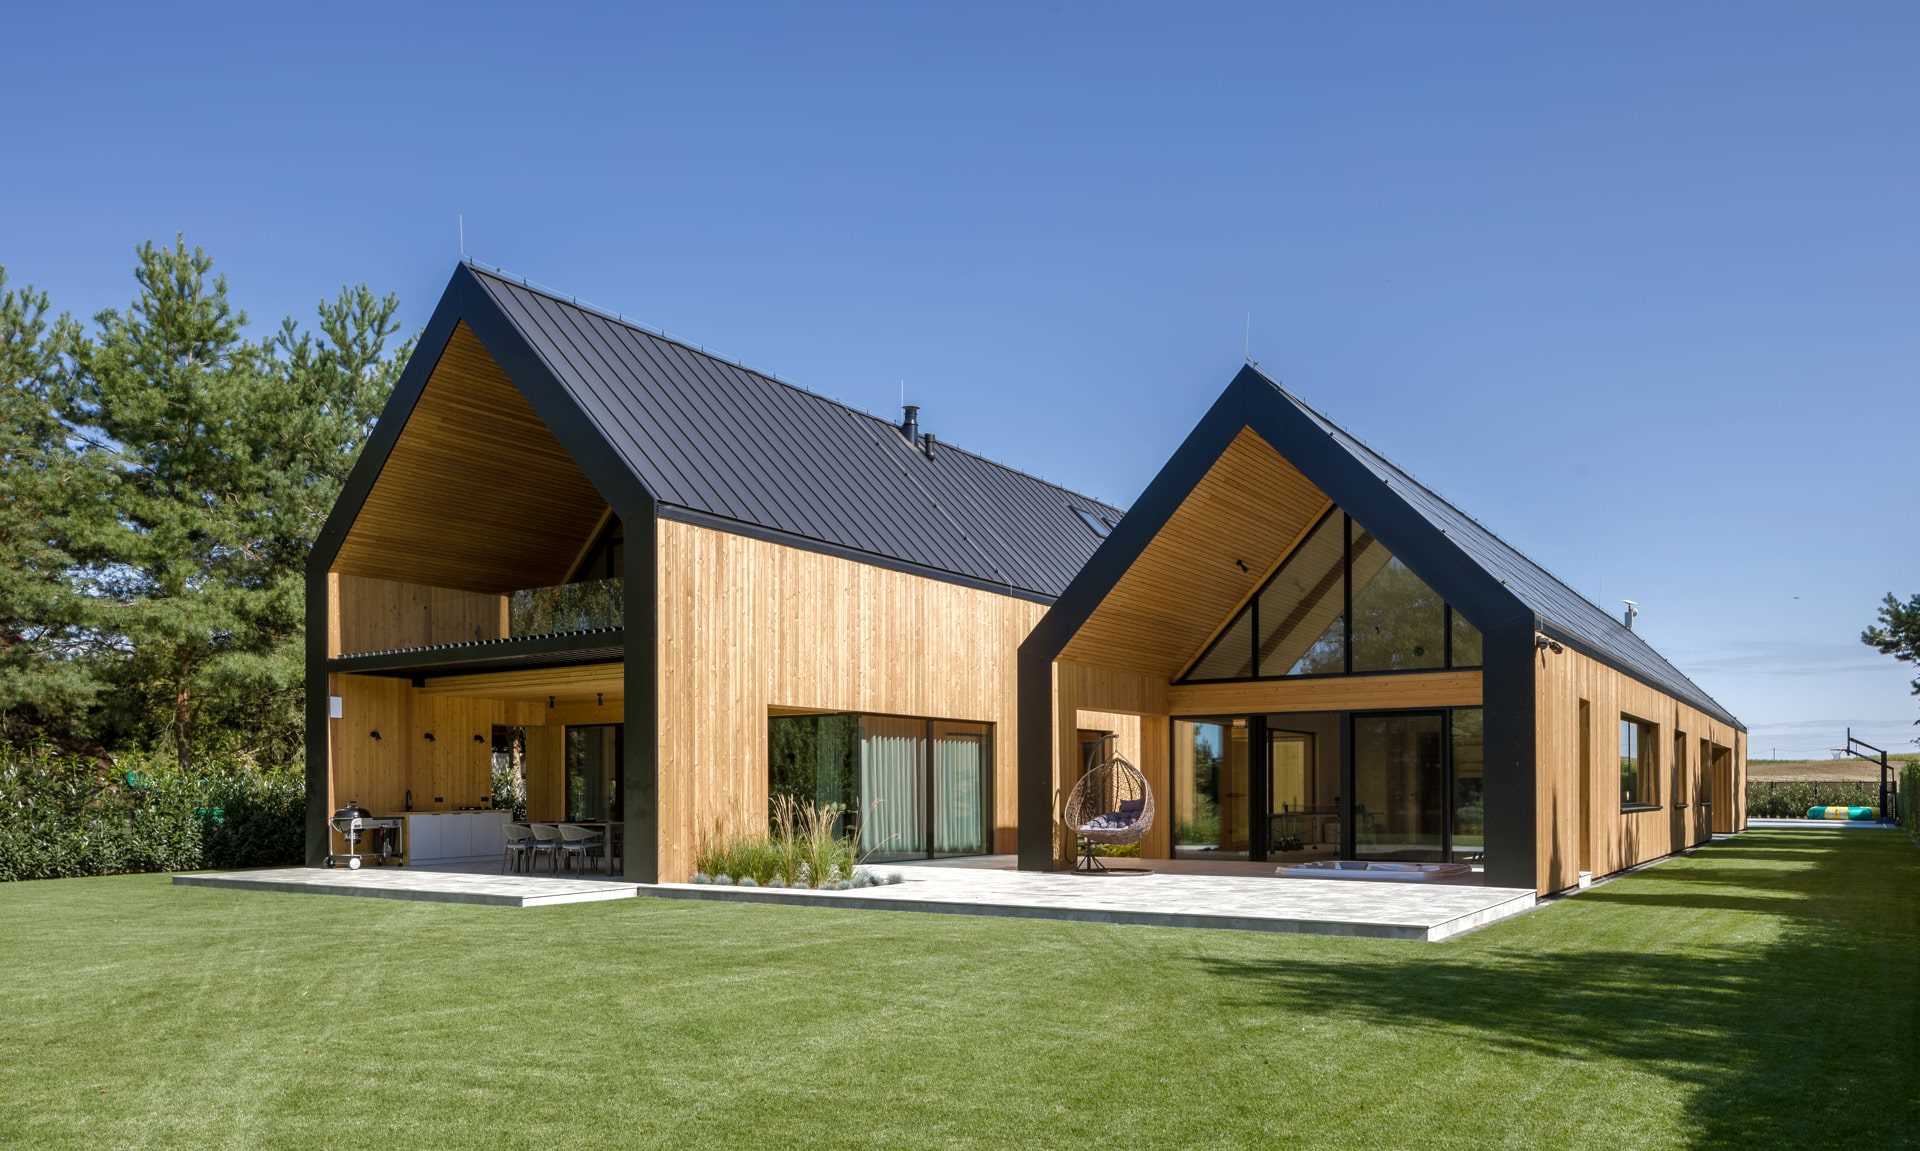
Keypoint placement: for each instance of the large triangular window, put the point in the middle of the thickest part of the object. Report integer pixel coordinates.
(1339, 604)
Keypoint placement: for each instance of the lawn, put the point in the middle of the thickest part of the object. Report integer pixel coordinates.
(1759, 993)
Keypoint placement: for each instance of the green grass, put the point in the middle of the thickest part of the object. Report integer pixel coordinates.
(1760, 993)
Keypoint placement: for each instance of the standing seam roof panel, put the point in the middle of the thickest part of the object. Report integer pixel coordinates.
(710, 436)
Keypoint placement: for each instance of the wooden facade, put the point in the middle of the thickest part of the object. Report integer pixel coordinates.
(748, 627)
(1583, 825)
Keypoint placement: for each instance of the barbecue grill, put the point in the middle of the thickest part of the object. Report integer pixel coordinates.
(354, 822)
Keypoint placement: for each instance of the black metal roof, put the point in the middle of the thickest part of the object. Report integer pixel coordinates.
(718, 443)
(1564, 613)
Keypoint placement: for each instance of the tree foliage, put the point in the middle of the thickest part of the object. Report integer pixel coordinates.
(166, 475)
(1897, 632)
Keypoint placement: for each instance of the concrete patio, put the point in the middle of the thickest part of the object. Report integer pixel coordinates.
(475, 884)
(1246, 897)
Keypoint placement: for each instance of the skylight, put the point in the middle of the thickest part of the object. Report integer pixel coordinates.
(1097, 524)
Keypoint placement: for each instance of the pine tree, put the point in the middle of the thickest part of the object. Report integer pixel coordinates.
(225, 455)
(48, 679)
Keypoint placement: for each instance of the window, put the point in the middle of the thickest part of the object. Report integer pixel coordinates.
(1098, 524)
(1398, 622)
(1339, 603)
(1469, 785)
(910, 788)
(592, 773)
(1679, 769)
(1466, 650)
(1637, 743)
(1710, 754)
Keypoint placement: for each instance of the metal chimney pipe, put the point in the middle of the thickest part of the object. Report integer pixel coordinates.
(926, 444)
(910, 421)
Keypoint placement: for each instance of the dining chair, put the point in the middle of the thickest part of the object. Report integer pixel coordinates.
(546, 841)
(579, 843)
(519, 847)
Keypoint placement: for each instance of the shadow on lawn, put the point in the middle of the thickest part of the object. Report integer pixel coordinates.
(1807, 1039)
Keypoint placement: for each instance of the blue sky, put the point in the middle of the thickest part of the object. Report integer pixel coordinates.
(1634, 286)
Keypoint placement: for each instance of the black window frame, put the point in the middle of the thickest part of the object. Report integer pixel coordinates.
(1252, 609)
(989, 746)
(1646, 776)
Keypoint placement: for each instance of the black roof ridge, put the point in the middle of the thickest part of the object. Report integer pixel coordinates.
(1475, 520)
(559, 297)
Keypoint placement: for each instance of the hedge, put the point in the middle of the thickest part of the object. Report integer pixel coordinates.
(1790, 799)
(65, 816)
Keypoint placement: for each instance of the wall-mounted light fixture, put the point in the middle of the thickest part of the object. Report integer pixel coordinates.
(599, 699)
(549, 703)
(1545, 642)
(374, 734)
(478, 738)
(429, 737)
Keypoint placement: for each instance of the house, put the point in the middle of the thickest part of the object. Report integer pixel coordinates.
(1322, 655)
(669, 588)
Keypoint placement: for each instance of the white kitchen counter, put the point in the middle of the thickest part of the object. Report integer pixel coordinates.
(435, 836)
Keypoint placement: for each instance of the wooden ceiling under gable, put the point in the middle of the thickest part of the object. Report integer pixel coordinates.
(1227, 535)
(477, 494)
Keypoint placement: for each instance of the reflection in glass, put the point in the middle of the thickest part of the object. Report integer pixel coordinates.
(592, 782)
(1466, 642)
(1399, 780)
(882, 771)
(1231, 656)
(1469, 785)
(1301, 629)
(1210, 788)
(1397, 618)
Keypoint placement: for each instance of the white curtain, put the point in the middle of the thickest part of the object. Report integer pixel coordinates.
(959, 792)
(892, 778)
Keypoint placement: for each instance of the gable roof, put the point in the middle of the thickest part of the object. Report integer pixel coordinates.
(720, 444)
(1484, 576)
(1564, 613)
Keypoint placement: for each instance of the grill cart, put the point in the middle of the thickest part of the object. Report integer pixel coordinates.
(355, 823)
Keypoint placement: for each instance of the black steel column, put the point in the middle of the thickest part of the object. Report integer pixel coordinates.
(1034, 769)
(318, 844)
(1511, 789)
(640, 761)
(1259, 787)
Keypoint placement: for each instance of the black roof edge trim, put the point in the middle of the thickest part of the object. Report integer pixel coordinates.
(872, 559)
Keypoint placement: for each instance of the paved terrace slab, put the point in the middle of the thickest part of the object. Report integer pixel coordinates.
(1242, 902)
(420, 884)
(1249, 898)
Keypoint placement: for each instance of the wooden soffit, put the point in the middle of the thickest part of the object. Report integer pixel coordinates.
(477, 494)
(1248, 510)
(583, 681)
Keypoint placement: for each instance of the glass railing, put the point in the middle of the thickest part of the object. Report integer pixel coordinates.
(568, 607)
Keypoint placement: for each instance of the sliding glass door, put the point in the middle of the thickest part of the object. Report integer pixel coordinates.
(1400, 800)
(1211, 792)
(910, 788)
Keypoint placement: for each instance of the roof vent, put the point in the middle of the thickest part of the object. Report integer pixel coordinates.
(1633, 609)
(910, 422)
(926, 444)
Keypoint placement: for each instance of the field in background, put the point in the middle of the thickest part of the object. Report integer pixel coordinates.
(1823, 770)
